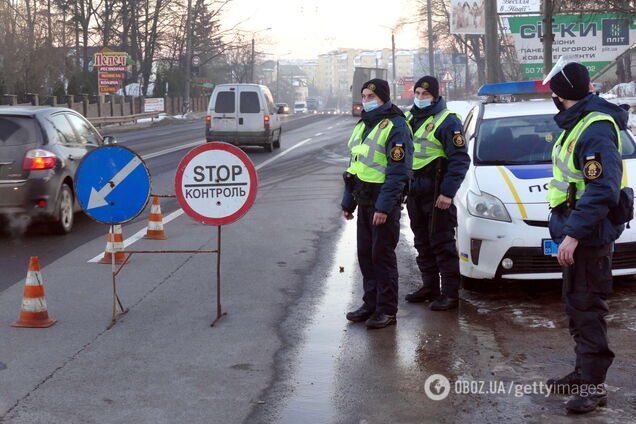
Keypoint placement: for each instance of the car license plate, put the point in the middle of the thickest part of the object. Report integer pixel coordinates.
(550, 248)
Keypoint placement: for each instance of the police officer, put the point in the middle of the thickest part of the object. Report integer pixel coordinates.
(379, 171)
(586, 186)
(440, 162)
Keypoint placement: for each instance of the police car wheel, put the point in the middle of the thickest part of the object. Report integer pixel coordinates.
(476, 285)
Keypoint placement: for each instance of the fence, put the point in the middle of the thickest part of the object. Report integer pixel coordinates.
(107, 105)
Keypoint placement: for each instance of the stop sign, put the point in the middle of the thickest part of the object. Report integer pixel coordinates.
(216, 183)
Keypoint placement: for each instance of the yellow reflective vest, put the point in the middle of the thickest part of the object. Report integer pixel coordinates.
(563, 168)
(368, 155)
(427, 146)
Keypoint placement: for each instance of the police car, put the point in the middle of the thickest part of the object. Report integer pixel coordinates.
(502, 208)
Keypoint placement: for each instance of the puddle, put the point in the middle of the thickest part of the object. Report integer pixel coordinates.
(315, 375)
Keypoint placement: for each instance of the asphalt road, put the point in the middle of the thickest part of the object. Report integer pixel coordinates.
(284, 353)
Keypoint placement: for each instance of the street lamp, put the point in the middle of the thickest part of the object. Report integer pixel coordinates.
(253, 58)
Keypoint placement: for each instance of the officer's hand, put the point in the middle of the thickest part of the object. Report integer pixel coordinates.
(443, 202)
(347, 215)
(565, 254)
(379, 218)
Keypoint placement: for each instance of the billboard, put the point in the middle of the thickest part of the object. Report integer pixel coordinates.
(518, 6)
(593, 40)
(111, 67)
(467, 17)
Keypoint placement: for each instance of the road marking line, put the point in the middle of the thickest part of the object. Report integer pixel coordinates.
(330, 127)
(139, 234)
(317, 134)
(171, 150)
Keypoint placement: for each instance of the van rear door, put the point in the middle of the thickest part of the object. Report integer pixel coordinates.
(224, 110)
(250, 110)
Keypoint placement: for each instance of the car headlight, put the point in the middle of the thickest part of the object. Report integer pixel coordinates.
(486, 206)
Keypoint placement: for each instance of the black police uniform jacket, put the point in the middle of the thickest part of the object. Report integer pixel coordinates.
(588, 222)
(387, 195)
(423, 185)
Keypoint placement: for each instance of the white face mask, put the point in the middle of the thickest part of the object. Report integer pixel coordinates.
(422, 103)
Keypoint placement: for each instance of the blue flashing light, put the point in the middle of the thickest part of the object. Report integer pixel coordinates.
(511, 88)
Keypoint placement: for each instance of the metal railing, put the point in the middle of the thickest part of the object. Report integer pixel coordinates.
(104, 120)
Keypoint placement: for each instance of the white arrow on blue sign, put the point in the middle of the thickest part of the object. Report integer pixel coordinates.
(112, 184)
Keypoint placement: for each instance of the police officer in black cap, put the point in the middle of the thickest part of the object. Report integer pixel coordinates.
(379, 170)
(584, 195)
(440, 163)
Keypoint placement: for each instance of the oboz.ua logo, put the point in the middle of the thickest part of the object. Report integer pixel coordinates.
(437, 387)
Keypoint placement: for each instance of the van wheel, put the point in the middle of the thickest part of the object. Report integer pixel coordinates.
(64, 212)
(269, 147)
(277, 142)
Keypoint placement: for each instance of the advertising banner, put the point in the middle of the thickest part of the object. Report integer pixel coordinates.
(518, 6)
(467, 17)
(593, 40)
(154, 104)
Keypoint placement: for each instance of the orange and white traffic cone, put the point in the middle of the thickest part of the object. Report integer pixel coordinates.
(155, 222)
(114, 246)
(33, 312)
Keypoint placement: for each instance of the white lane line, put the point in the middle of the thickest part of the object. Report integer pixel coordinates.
(139, 234)
(330, 127)
(171, 150)
(317, 134)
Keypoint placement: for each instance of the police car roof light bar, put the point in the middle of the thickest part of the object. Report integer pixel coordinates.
(512, 88)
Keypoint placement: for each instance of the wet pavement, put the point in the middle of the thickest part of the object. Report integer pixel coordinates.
(498, 344)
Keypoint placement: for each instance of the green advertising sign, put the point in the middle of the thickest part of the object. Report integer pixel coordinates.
(593, 40)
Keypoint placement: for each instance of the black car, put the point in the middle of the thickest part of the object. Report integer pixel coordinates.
(40, 150)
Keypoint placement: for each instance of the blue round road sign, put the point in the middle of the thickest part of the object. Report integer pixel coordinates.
(112, 184)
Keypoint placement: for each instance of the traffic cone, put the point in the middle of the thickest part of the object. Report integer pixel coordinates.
(114, 245)
(33, 312)
(155, 222)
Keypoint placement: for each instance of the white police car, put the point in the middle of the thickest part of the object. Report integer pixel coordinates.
(501, 206)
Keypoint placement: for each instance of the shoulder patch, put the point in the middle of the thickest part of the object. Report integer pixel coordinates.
(549, 138)
(430, 127)
(571, 147)
(397, 153)
(383, 124)
(592, 169)
(459, 140)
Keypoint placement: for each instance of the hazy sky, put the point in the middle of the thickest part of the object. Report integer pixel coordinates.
(306, 28)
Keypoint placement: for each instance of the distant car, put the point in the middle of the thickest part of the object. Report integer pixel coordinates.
(283, 108)
(502, 208)
(40, 150)
(329, 111)
(300, 107)
(356, 109)
(243, 115)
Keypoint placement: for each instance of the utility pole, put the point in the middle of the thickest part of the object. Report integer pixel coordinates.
(548, 36)
(277, 80)
(394, 74)
(492, 42)
(252, 62)
(188, 59)
(431, 51)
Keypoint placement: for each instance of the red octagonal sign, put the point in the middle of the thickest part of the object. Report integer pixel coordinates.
(216, 183)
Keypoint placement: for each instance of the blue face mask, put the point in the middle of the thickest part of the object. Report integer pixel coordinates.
(369, 106)
(421, 103)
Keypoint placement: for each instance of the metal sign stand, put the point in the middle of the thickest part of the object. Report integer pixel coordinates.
(118, 308)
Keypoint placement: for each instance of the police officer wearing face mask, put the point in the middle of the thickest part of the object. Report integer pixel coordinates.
(379, 171)
(440, 163)
(583, 194)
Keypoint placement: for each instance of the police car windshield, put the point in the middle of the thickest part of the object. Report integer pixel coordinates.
(523, 140)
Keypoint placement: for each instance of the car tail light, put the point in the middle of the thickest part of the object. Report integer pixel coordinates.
(38, 159)
(208, 122)
(266, 121)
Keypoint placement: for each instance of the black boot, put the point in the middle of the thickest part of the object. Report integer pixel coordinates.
(360, 314)
(564, 385)
(583, 404)
(444, 303)
(379, 320)
(422, 295)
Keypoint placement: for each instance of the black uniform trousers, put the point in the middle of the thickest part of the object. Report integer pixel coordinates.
(436, 249)
(586, 285)
(378, 263)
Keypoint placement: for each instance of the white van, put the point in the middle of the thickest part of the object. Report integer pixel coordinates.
(300, 107)
(243, 115)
